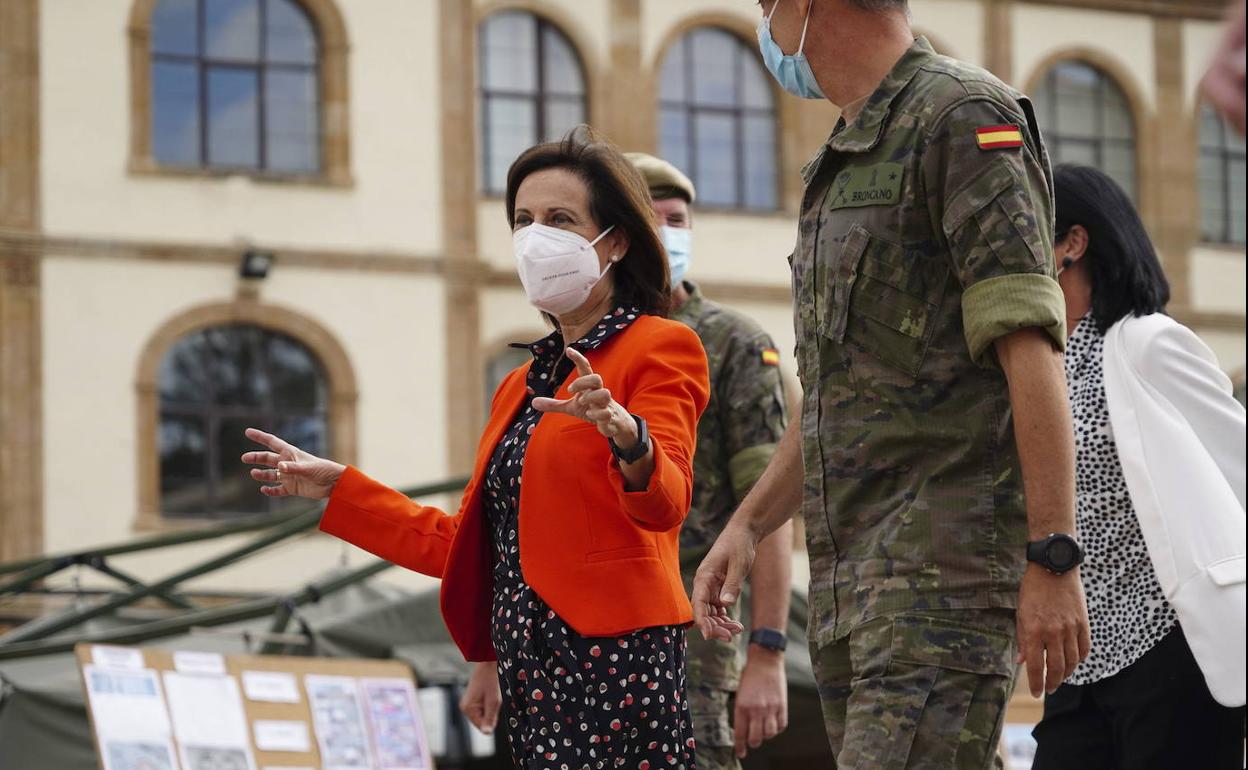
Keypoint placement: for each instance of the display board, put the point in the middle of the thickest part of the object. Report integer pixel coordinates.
(163, 710)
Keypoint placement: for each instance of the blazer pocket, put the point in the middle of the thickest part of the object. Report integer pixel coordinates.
(612, 534)
(579, 426)
(1227, 572)
(627, 552)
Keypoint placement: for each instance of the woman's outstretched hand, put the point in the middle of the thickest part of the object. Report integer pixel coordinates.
(288, 470)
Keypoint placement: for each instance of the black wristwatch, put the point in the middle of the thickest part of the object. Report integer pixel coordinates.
(769, 639)
(639, 449)
(1058, 553)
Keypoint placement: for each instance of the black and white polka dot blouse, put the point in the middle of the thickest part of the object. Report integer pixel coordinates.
(1126, 608)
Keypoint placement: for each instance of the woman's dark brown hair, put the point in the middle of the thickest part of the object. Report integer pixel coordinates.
(617, 196)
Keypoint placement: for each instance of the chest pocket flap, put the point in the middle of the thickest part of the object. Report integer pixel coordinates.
(885, 300)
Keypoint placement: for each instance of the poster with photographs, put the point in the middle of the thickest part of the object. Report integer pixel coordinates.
(393, 710)
(129, 717)
(203, 710)
(338, 721)
(209, 722)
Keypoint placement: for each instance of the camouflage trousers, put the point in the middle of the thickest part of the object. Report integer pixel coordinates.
(710, 707)
(918, 690)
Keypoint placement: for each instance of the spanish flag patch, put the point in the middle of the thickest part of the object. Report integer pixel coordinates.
(998, 137)
(771, 357)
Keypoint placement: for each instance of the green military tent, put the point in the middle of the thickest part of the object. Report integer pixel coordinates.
(43, 719)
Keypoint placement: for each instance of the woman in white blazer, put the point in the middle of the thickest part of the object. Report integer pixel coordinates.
(1160, 508)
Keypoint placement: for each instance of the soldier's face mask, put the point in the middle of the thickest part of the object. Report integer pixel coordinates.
(792, 72)
(678, 242)
(558, 268)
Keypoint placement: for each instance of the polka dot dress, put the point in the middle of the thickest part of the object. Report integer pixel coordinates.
(1126, 608)
(572, 702)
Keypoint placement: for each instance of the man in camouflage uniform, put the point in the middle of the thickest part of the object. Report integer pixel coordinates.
(935, 438)
(736, 438)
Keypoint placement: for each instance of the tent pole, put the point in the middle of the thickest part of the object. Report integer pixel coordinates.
(43, 627)
(206, 532)
(248, 610)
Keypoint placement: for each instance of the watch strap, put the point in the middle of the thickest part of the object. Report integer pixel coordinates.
(769, 639)
(639, 449)
(1036, 550)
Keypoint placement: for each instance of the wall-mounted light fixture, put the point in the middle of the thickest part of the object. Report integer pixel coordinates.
(255, 264)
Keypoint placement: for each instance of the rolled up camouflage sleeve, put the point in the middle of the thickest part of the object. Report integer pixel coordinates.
(994, 206)
(752, 399)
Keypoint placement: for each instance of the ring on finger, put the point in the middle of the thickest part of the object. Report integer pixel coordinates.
(279, 475)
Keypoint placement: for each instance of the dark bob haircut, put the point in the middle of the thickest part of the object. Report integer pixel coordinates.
(617, 196)
(1127, 278)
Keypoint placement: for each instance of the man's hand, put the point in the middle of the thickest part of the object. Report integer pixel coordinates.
(717, 583)
(1053, 633)
(762, 710)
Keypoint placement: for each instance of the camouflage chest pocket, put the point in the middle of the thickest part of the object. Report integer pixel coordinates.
(885, 301)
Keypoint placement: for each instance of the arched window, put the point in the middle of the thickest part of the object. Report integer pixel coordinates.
(717, 119)
(1086, 119)
(1221, 180)
(213, 384)
(532, 89)
(234, 85)
(500, 365)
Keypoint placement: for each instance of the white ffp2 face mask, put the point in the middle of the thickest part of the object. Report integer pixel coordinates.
(558, 268)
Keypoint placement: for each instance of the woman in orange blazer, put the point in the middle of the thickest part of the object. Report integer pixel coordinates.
(561, 563)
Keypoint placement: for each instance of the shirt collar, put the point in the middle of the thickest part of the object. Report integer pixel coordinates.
(693, 305)
(550, 347)
(868, 126)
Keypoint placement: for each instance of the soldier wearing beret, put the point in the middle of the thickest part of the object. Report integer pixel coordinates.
(934, 459)
(737, 435)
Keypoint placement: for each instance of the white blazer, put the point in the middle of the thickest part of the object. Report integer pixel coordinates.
(1180, 438)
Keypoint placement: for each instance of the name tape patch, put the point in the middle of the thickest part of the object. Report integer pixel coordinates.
(878, 185)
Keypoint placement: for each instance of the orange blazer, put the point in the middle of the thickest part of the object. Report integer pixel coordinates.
(604, 559)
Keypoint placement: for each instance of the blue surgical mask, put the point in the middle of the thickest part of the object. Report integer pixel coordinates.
(793, 72)
(679, 244)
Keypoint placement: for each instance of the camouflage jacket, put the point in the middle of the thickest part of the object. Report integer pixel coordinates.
(925, 234)
(736, 437)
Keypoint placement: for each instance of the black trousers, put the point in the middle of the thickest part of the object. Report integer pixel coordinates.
(1156, 713)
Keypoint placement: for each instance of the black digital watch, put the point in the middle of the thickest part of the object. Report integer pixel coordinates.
(1058, 553)
(638, 451)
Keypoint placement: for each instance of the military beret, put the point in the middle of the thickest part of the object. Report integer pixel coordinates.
(661, 176)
